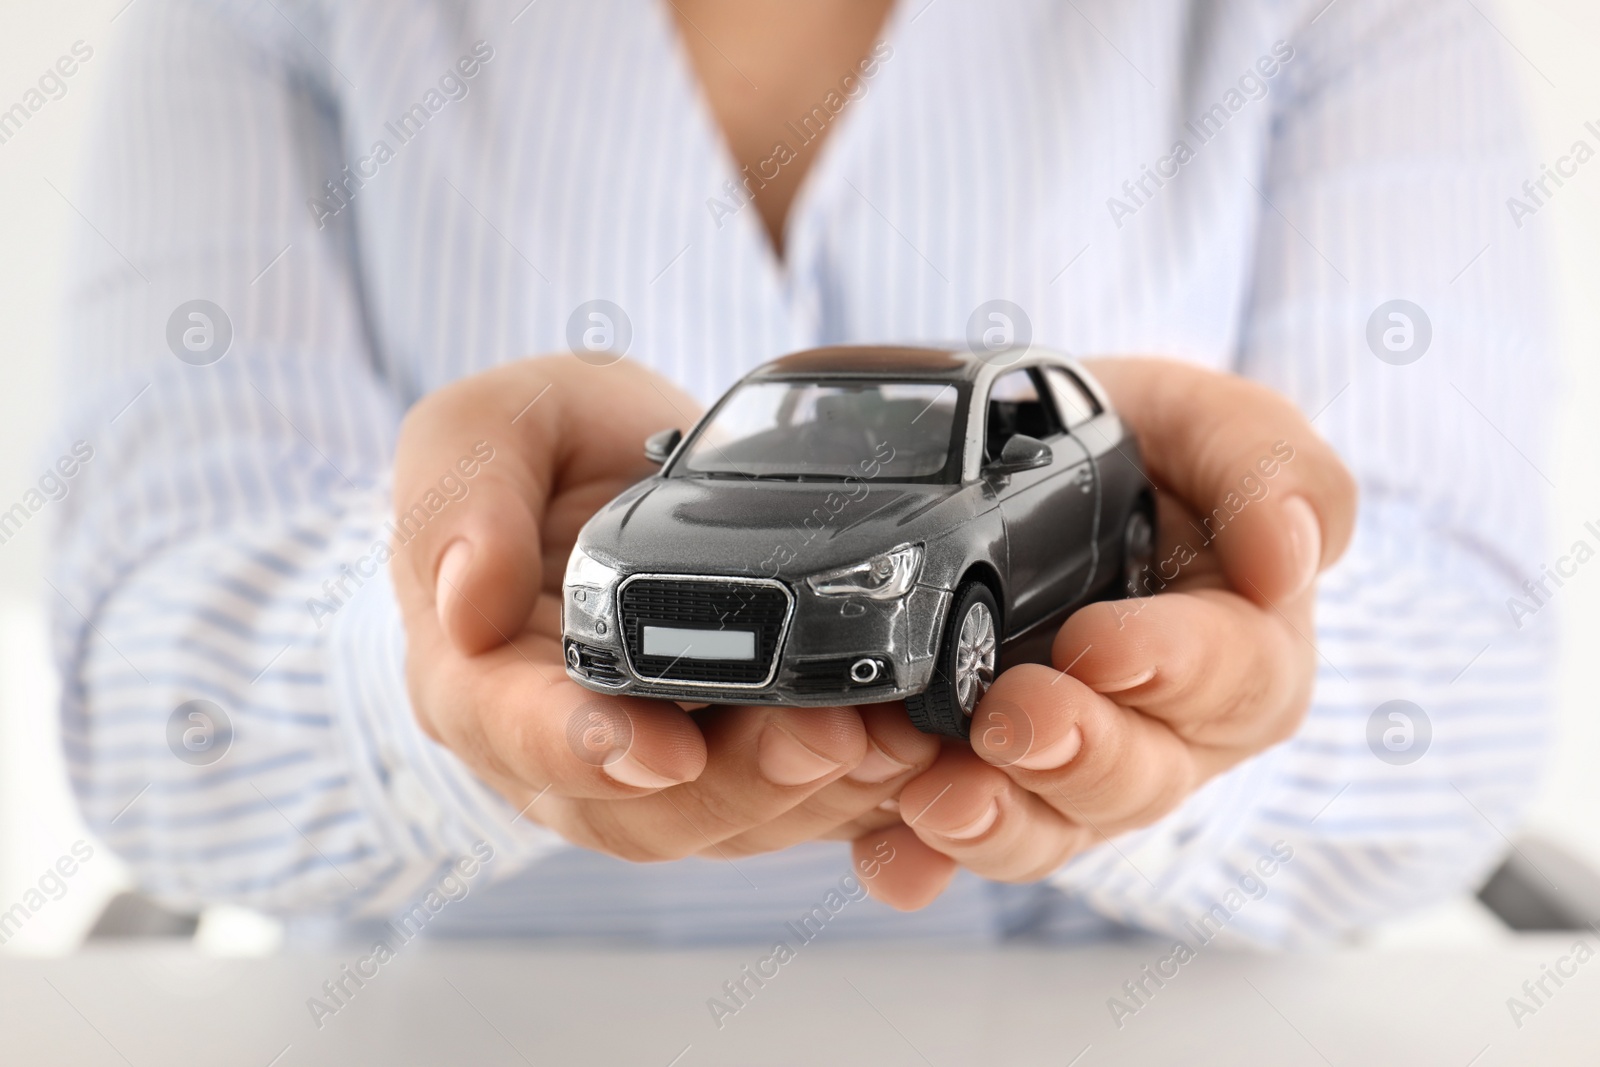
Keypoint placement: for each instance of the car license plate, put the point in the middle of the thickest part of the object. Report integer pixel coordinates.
(699, 644)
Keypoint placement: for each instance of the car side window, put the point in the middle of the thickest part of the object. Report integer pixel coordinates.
(1074, 403)
(1016, 406)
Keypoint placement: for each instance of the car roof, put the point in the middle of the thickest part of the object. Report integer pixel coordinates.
(874, 361)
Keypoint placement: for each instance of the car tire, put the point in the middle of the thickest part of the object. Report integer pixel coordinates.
(965, 666)
(1138, 552)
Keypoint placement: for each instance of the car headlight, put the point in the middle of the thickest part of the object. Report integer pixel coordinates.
(584, 569)
(879, 578)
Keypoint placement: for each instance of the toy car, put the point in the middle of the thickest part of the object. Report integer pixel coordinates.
(859, 524)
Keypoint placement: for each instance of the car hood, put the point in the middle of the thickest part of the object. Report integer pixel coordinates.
(766, 528)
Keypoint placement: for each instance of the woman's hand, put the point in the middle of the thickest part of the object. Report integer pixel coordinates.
(1150, 697)
(480, 592)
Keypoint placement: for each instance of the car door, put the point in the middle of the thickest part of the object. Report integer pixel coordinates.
(1048, 512)
(1085, 422)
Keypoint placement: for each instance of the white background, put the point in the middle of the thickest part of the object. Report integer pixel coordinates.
(1552, 43)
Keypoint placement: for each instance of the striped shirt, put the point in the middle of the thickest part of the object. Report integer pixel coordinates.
(381, 196)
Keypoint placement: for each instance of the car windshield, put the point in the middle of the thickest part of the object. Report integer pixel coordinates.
(828, 430)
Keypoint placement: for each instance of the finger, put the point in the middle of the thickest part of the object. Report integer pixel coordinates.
(470, 490)
(1272, 496)
(896, 752)
(1215, 666)
(976, 815)
(495, 474)
(760, 763)
(885, 815)
(898, 869)
(1099, 764)
(514, 716)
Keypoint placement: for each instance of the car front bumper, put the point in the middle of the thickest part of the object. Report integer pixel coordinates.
(822, 639)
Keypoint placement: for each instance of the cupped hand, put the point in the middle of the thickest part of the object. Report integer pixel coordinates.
(1146, 698)
(479, 587)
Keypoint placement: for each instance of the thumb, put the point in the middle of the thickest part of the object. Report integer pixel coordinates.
(469, 494)
(1268, 493)
(489, 569)
(494, 470)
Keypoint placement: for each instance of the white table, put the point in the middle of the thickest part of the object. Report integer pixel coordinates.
(167, 1007)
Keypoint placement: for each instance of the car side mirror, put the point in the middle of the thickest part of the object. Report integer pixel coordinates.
(1022, 453)
(658, 446)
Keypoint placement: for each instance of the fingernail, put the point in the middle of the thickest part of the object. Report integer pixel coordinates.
(892, 804)
(452, 569)
(1305, 542)
(976, 827)
(1056, 756)
(877, 766)
(1125, 683)
(629, 771)
(785, 761)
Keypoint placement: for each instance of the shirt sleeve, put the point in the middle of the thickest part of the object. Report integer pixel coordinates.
(223, 541)
(1385, 179)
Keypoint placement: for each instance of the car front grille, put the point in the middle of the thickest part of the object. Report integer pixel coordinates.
(759, 606)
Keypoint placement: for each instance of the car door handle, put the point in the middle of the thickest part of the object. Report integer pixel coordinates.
(1083, 478)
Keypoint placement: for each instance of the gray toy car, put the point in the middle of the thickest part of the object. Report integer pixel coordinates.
(859, 524)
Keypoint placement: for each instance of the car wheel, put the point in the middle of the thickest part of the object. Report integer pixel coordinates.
(1138, 549)
(965, 666)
